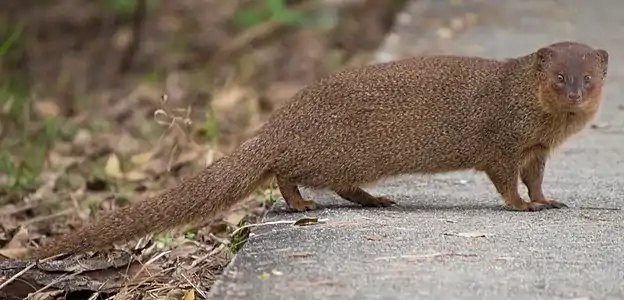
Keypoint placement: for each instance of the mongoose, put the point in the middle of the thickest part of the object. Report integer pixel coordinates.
(422, 115)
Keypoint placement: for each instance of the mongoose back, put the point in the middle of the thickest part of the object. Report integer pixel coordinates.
(422, 115)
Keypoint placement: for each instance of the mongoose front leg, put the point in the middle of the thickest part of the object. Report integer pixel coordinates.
(360, 196)
(532, 174)
(292, 196)
(505, 179)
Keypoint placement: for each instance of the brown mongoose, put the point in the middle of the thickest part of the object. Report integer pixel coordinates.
(424, 115)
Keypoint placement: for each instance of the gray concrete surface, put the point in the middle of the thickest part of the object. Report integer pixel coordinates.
(410, 251)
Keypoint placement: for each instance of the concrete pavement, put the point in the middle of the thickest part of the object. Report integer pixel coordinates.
(449, 237)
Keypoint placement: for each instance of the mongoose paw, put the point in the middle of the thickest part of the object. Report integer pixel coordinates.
(528, 206)
(552, 204)
(541, 205)
(303, 205)
(557, 204)
(533, 206)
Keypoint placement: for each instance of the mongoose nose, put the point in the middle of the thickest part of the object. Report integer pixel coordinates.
(574, 96)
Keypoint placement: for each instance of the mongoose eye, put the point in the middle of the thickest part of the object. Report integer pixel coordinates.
(587, 78)
(560, 78)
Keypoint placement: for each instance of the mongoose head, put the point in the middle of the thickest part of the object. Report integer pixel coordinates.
(571, 76)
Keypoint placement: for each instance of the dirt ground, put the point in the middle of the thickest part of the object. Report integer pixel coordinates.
(85, 128)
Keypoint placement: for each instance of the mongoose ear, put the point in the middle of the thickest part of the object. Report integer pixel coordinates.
(603, 55)
(544, 55)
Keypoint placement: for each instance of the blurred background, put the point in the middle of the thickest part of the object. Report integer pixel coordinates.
(84, 125)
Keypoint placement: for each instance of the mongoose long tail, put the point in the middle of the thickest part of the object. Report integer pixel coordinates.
(222, 184)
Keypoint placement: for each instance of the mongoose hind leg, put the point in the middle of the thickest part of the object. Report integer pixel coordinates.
(505, 179)
(291, 194)
(360, 196)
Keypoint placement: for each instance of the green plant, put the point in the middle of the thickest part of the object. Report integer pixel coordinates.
(10, 41)
(164, 239)
(272, 10)
(23, 154)
(22, 175)
(191, 234)
(271, 198)
(238, 240)
(125, 8)
(209, 128)
(14, 103)
(12, 53)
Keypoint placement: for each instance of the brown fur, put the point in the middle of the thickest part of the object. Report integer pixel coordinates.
(422, 115)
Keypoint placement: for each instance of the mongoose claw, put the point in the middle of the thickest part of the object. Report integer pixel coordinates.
(380, 202)
(539, 206)
(557, 204)
(548, 204)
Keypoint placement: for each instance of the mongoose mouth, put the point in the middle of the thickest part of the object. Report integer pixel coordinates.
(578, 105)
(575, 102)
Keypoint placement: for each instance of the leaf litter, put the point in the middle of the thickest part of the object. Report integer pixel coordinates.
(120, 173)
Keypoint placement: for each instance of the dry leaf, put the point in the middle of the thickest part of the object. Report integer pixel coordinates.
(6, 108)
(185, 157)
(60, 160)
(47, 108)
(142, 158)
(229, 98)
(7, 210)
(19, 239)
(45, 295)
(14, 253)
(135, 176)
(235, 217)
(305, 221)
(190, 295)
(210, 157)
(125, 144)
(280, 92)
(122, 38)
(113, 167)
(235, 107)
